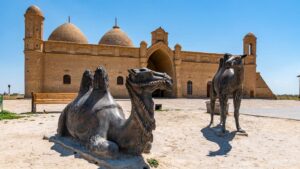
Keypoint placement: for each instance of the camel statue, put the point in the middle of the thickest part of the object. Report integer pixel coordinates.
(97, 121)
(228, 80)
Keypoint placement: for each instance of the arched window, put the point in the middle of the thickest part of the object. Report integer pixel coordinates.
(189, 87)
(250, 51)
(67, 79)
(120, 80)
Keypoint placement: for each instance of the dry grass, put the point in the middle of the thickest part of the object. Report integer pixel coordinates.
(287, 97)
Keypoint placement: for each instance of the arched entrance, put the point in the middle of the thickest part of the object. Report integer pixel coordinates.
(251, 94)
(160, 61)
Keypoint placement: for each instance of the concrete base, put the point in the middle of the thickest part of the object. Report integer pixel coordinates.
(122, 161)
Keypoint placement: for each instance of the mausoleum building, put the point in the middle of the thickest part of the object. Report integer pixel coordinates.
(56, 64)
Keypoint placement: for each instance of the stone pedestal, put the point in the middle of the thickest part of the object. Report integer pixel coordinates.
(217, 107)
(121, 161)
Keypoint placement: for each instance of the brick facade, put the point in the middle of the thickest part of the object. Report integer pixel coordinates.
(47, 61)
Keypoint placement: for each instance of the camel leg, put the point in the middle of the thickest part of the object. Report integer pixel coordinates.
(148, 145)
(212, 109)
(223, 103)
(213, 97)
(101, 146)
(237, 98)
(99, 143)
(62, 126)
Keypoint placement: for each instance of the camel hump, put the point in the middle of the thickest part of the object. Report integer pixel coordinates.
(86, 81)
(100, 79)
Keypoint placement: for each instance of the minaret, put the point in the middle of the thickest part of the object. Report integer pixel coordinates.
(34, 28)
(33, 50)
(249, 46)
(249, 42)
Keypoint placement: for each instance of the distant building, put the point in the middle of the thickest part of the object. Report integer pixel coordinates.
(57, 64)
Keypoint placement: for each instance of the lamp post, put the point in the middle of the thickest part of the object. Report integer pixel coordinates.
(299, 85)
(8, 89)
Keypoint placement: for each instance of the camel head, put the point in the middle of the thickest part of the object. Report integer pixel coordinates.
(233, 61)
(140, 84)
(146, 81)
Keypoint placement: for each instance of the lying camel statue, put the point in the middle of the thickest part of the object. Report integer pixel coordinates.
(96, 120)
(228, 80)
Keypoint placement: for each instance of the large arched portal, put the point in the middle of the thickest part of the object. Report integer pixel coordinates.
(161, 62)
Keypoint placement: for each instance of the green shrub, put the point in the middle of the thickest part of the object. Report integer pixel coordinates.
(6, 115)
(153, 162)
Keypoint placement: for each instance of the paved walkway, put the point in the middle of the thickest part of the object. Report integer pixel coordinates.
(288, 109)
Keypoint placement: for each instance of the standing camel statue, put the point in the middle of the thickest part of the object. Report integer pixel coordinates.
(228, 80)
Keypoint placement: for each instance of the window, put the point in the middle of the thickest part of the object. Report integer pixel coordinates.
(250, 52)
(67, 79)
(120, 80)
(189, 87)
(251, 94)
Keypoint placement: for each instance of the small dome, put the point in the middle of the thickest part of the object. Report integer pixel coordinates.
(68, 32)
(250, 34)
(34, 10)
(143, 43)
(116, 36)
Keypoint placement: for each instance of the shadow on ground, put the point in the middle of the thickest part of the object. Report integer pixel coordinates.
(222, 141)
(62, 151)
(68, 147)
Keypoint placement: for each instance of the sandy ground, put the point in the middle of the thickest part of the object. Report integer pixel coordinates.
(181, 139)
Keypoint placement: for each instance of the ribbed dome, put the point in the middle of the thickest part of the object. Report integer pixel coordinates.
(68, 32)
(116, 36)
(34, 10)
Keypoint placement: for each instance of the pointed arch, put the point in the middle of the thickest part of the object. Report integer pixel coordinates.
(160, 58)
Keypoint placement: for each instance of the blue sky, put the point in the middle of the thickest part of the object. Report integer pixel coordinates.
(198, 25)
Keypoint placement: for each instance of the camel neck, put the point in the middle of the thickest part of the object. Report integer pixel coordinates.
(140, 123)
(239, 74)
